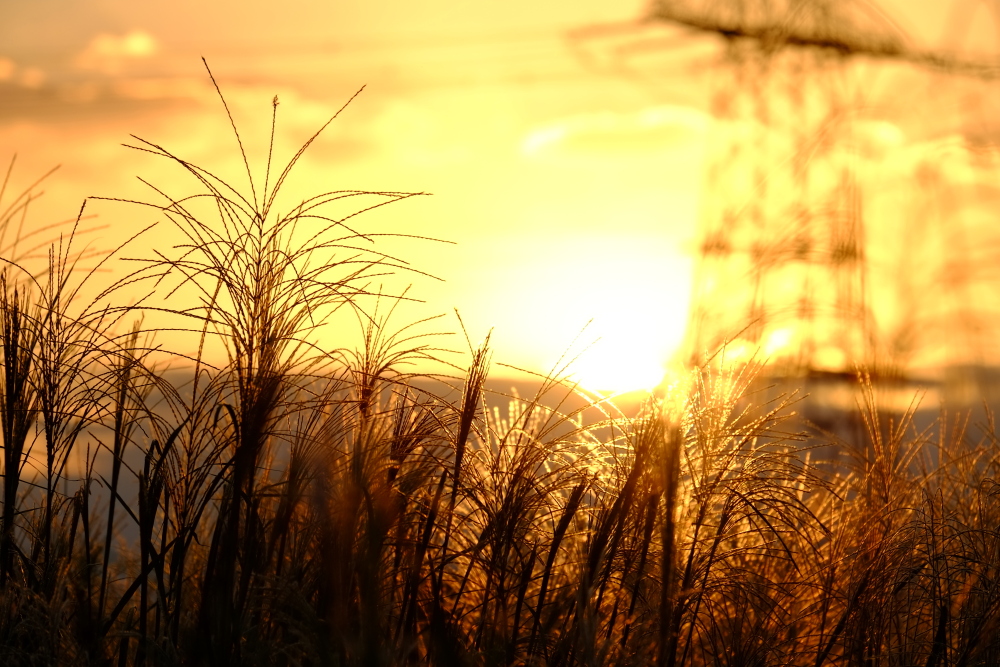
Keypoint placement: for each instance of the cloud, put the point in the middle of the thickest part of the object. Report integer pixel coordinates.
(653, 128)
(32, 77)
(26, 77)
(108, 54)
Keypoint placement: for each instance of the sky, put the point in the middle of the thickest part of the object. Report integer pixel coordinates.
(566, 167)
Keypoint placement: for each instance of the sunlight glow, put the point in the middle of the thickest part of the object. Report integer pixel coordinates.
(630, 341)
(610, 330)
(612, 368)
(778, 342)
(775, 344)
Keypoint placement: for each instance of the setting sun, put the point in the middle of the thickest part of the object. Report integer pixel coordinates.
(634, 332)
(612, 367)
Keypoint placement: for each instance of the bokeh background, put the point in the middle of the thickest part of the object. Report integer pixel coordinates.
(572, 150)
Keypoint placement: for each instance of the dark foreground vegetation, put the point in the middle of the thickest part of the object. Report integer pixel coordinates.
(305, 506)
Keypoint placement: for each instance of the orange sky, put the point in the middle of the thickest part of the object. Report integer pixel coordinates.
(569, 182)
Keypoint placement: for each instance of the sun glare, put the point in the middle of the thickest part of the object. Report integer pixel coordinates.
(610, 369)
(628, 320)
(628, 344)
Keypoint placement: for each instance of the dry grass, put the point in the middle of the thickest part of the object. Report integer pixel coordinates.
(305, 506)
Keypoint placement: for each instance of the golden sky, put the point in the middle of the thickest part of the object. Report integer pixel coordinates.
(567, 175)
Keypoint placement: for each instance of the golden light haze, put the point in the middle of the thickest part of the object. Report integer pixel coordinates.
(567, 175)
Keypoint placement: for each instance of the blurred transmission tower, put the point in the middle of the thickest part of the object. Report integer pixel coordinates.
(781, 258)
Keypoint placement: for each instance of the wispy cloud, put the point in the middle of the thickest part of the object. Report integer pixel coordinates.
(652, 128)
(27, 77)
(108, 54)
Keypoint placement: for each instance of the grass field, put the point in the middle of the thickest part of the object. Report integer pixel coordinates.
(280, 503)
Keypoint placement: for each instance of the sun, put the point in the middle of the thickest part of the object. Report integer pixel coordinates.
(610, 369)
(636, 318)
(627, 350)
(608, 313)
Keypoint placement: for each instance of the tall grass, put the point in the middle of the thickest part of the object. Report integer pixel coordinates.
(300, 505)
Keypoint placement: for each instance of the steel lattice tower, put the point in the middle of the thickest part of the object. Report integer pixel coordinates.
(781, 255)
(781, 251)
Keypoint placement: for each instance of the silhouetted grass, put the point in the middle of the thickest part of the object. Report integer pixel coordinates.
(298, 505)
